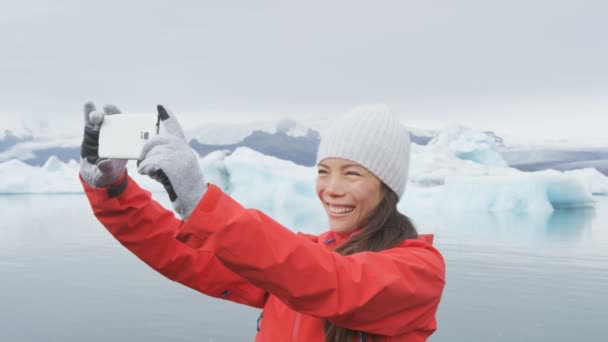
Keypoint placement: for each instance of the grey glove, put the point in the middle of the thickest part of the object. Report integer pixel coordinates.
(169, 159)
(97, 172)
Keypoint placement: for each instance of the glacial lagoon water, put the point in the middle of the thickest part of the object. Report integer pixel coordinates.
(509, 278)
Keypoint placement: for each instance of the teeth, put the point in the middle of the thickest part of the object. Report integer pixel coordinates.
(340, 210)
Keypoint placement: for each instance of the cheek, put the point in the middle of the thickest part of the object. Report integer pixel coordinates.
(368, 197)
(318, 188)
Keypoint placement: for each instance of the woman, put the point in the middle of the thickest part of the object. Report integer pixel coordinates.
(370, 278)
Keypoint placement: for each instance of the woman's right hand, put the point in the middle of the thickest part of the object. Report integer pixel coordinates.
(97, 172)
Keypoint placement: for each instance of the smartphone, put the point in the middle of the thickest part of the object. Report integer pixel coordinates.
(122, 136)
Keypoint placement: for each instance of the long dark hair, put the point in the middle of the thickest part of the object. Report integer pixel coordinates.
(384, 228)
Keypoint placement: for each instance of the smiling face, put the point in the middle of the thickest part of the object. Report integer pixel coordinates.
(349, 193)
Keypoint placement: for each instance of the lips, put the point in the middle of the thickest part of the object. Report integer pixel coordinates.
(339, 210)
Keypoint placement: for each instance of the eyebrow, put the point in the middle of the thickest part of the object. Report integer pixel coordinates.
(343, 166)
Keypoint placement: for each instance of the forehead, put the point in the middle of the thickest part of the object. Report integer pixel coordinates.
(338, 163)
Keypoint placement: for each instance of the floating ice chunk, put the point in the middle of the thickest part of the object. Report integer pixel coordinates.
(594, 181)
(54, 164)
(467, 143)
(524, 192)
(286, 191)
(280, 188)
(14, 176)
(54, 177)
(429, 168)
(214, 169)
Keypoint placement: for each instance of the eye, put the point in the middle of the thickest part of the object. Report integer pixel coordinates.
(320, 171)
(353, 173)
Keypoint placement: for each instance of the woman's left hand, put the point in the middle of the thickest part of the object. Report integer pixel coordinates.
(169, 159)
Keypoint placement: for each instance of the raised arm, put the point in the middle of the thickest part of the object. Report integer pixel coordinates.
(148, 230)
(387, 293)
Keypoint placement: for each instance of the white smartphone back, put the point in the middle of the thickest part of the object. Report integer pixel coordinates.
(122, 136)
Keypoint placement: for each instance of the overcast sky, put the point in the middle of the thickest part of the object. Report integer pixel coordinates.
(517, 66)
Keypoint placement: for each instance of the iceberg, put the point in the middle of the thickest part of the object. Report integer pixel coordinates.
(218, 133)
(440, 179)
(54, 177)
(468, 144)
(594, 181)
(280, 188)
(53, 164)
(287, 190)
(534, 192)
(429, 167)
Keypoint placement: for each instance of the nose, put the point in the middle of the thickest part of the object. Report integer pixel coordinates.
(334, 187)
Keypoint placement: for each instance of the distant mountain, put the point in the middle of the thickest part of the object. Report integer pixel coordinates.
(9, 139)
(301, 150)
(536, 159)
(561, 157)
(420, 140)
(299, 145)
(283, 144)
(65, 154)
(500, 142)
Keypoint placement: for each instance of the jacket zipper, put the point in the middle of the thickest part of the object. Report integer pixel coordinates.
(296, 327)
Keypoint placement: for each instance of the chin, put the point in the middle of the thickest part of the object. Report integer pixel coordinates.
(340, 229)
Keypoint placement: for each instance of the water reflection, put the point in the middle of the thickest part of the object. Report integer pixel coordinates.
(525, 277)
(562, 225)
(570, 224)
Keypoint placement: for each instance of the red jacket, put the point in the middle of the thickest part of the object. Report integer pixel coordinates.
(242, 255)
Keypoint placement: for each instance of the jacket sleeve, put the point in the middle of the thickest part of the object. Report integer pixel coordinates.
(148, 230)
(388, 293)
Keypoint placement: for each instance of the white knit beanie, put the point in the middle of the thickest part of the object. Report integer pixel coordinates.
(372, 137)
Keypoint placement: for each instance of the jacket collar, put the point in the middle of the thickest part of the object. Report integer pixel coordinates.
(336, 239)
